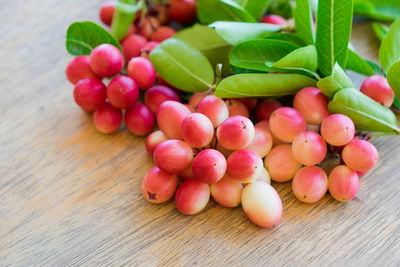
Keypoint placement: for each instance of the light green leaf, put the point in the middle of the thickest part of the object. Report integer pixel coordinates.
(209, 11)
(256, 8)
(389, 52)
(304, 21)
(335, 82)
(333, 33)
(237, 32)
(281, 7)
(123, 17)
(356, 63)
(249, 85)
(303, 57)
(366, 114)
(380, 30)
(387, 10)
(393, 77)
(182, 66)
(289, 37)
(209, 43)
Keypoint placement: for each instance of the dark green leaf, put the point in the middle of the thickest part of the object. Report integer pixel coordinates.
(356, 63)
(389, 52)
(304, 21)
(333, 33)
(209, 11)
(396, 103)
(366, 114)
(335, 82)
(281, 7)
(182, 66)
(289, 37)
(378, 9)
(393, 77)
(237, 70)
(124, 15)
(256, 8)
(248, 85)
(237, 32)
(82, 37)
(380, 30)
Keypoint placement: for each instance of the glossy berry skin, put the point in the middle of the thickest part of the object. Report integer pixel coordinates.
(309, 148)
(197, 130)
(262, 204)
(182, 11)
(153, 140)
(148, 26)
(343, 183)
(214, 108)
(265, 126)
(106, 12)
(312, 104)
(107, 119)
(281, 164)
(145, 51)
(261, 143)
(235, 107)
(360, 155)
(209, 166)
(249, 102)
(378, 88)
(106, 60)
(196, 98)
(264, 176)
(265, 109)
(187, 173)
(244, 165)
(132, 46)
(159, 186)
(337, 129)
(170, 115)
(139, 119)
(122, 92)
(235, 133)
(274, 19)
(90, 94)
(162, 34)
(286, 123)
(158, 94)
(192, 197)
(227, 192)
(173, 155)
(78, 69)
(310, 184)
(142, 71)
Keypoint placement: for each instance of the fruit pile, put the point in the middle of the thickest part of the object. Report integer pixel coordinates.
(226, 148)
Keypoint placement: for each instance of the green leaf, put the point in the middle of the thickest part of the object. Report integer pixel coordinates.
(335, 82)
(289, 37)
(377, 69)
(209, 43)
(83, 37)
(237, 32)
(182, 66)
(396, 103)
(393, 77)
(333, 33)
(254, 54)
(366, 114)
(387, 10)
(389, 52)
(209, 11)
(281, 7)
(249, 85)
(304, 21)
(256, 8)
(380, 30)
(303, 57)
(124, 15)
(356, 63)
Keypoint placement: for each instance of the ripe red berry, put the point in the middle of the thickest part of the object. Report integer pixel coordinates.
(312, 104)
(78, 69)
(162, 34)
(378, 88)
(90, 94)
(106, 12)
(209, 166)
(170, 115)
(142, 71)
(343, 183)
(153, 140)
(106, 60)
(360, 155)
(274, 19)
(139, 119)
(107, 119)
(157, 95)
(159, 186)
(192, 197)
(286, 123)
(265, 109)
(182, 11)
(132, 46)
(122, 92)
(173, 155)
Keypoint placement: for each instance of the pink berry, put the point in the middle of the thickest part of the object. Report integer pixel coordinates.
(107, 119)
(262, 204)
(106, 12)
(153, 140)
(142, 71)
(244, 165)
(78, 69)
(139, 119)
(158, 94)
(106, 60)
(159, 186)
(214, 108)
(281, 164)
(264, 176)
(337, 129)
(196, 98)
(148, 26)
(235, 133)
(197, 130)
(274, 19)
(309, 148)
(182, 11)
(286, 123)
(360, 155)
(170, 115)
(192, 197)
(378, 88)
(173, 155)
(261, 143)
(265, 126)
(227, 192)
(145, 51)
(249, 102)
(312, 104)
(223, 150)
(343, 183)
(90, 94)
(122, 92)
(265, 109)
(192, 110)
(235, 107)
(187, 173)
(162, 34)
(310, 184)
(132, 46)
(209, 166)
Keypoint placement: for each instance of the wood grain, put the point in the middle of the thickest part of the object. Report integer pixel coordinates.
(71, 196)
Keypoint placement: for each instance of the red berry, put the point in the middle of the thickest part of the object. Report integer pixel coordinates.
(157, 95)
(90, 94)
(132, 46)
(107, 119)
(162, 34)
(182, 11)
(139, 119)
(274, 19)
(106, 60)
(106, 12)
(378, 88)
(78, 69)
(142, 71)
(122, 92)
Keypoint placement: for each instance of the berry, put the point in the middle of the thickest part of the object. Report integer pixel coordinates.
(281, 164)
(173, 155)
(153, 140)
(360, 155)
(145, 51)
(196, 98)
(158, 94)
(310, 184)
(122, 92)
(274, 19)
(337, 129)
(132, 46)
(182, 11)
(343, 183)
(197, 130)
(148, 26)
(312, 104)
(261, 143)
(78, 69)
(159, 186)
(187, 173)
(244, 165)
(265, 109)
(170, 115)
(264, 176)
(90, 94)
(142, 71)
(191, 197)
(139, 119)
(214, 108)
(162, 34)
(235, 107)
(309, 148)
(106, 60)
(378, 88)
(107, 119)
(265, 126)
(106, 12)
(235, 133)
(286, 123)
(209, 166)
(227, 192)
(249, 102)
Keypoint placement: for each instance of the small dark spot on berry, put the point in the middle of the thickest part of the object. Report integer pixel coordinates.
(151, 195)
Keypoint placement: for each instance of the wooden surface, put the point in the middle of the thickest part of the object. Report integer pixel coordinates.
(71, 196)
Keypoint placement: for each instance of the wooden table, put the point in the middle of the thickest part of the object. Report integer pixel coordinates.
(71, 196)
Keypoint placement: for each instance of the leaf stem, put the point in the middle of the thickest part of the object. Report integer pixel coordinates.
(218, 74)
